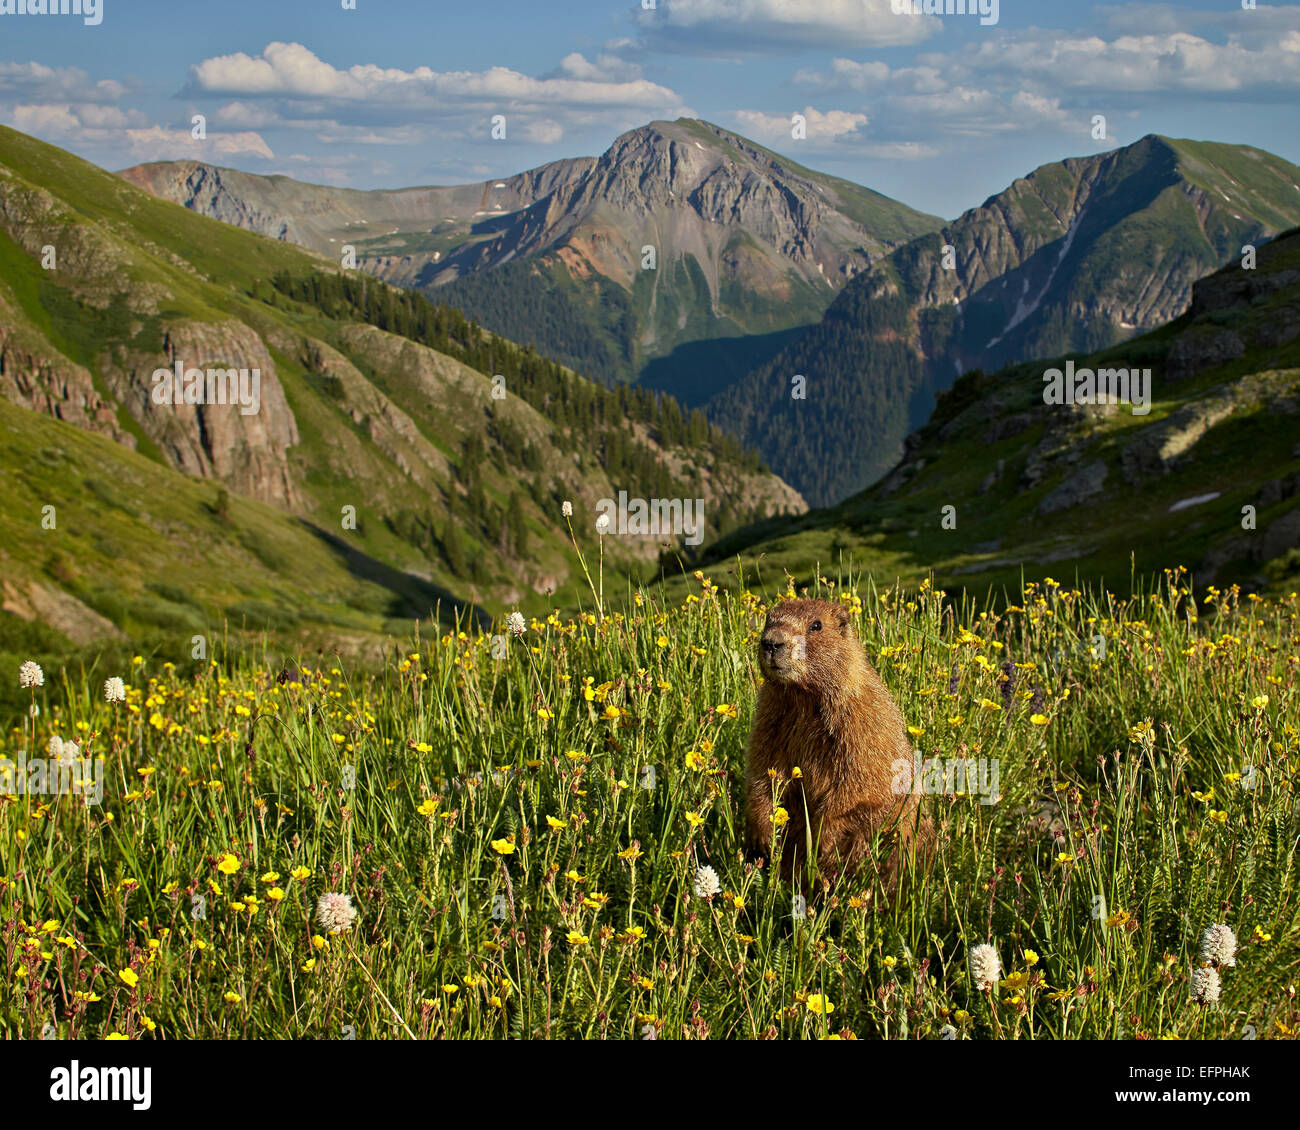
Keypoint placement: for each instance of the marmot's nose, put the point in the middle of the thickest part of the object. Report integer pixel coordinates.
(772, 646)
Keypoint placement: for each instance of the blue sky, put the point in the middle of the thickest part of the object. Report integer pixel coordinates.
(938, 111)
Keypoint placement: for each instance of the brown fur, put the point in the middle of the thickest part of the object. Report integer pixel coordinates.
(823, 708)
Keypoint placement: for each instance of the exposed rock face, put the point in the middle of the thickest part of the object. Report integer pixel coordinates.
(1193, 352)
(60, 610)
(1154, 450)
(1077, 488)
(325, 218)
(744, 242)
(246, 449)
(36, 376)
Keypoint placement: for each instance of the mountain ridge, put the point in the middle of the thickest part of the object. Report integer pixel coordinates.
(746, 243)
(1080, 254)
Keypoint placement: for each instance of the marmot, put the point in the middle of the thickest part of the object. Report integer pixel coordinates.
(823, 709)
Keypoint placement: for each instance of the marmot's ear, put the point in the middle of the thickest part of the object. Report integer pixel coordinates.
(843, 617)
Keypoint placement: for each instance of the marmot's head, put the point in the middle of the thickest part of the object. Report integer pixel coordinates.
(808, 643)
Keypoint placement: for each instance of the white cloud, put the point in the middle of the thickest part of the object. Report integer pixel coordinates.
(159, 143)
(820, 125)
(35, 82)
(607, 67)
(242, 114)
(740, 27)
(290, 70)
(127, 132)
(289, 85)
(1178, 62)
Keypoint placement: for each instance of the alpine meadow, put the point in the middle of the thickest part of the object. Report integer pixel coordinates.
(533, 525)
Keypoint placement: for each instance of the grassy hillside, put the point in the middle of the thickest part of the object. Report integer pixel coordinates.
(443, 469)
(1095, 491)
(521, 834)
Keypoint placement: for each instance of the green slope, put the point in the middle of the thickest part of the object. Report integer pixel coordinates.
(455, 488)
(1025, 480)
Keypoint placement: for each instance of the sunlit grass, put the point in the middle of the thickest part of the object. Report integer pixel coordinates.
(519, 822)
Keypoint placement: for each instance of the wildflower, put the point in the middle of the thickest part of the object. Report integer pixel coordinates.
(706, 883)
(129, 977)
(515, 622)
(602, 524)
(1259, 701)
(30, 675)
(228, 864)
(1205, 985)
(1038, 719)
(428, 807)
(985, 966)
(1219, 946)
(577, 939)
(114, 690)
(566, 509)
(504, 847)
(299, 873)
(820, 1004)
(231, 997)
(780, 817)
(335, 912)
(1031, 958)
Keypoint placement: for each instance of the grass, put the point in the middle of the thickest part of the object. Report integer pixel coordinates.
(519, 822)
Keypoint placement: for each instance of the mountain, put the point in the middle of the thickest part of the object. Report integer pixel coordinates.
(747, 245)
(1080, 255)
(426, 456)
(1000, 482)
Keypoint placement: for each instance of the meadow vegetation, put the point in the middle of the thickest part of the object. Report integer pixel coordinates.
(523, 823)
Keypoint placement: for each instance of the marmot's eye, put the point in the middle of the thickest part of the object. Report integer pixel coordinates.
(816, 626)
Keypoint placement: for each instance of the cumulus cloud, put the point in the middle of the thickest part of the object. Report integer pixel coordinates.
(1161, 62)
(127, 132)
(35, 82)
(607, 67)
(290, 70)
(830, 133)
(820, 125)
(741, 27)
(1040, 80)
(289, 84)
